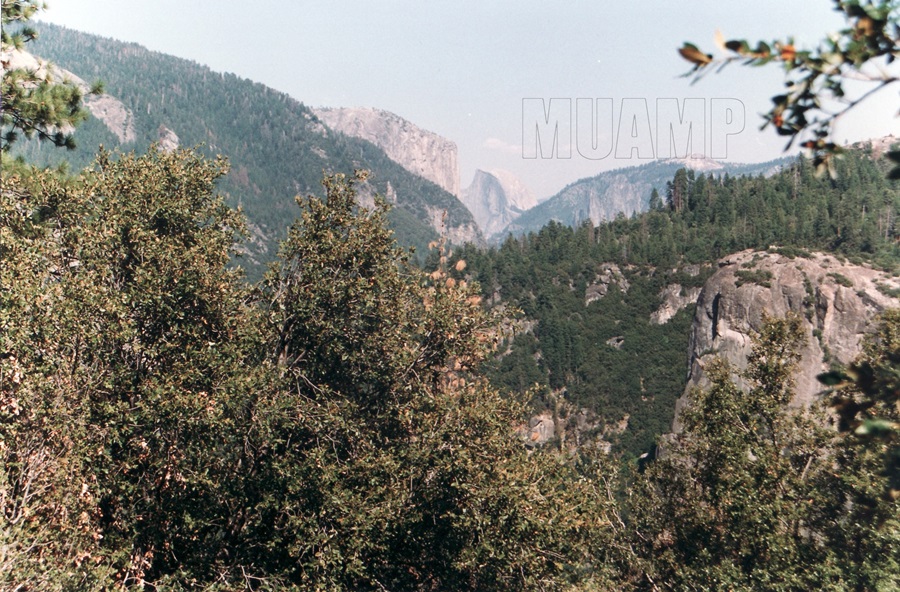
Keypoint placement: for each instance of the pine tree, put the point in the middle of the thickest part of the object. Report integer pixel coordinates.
(35, 102)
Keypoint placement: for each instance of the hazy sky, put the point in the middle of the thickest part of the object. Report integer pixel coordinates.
(463, 68)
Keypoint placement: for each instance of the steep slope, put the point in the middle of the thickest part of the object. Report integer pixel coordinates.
(626, 191)
(837, 301)
(109, 110)
(608, 310)
(496, 199)
(277, 147)
(419, 151)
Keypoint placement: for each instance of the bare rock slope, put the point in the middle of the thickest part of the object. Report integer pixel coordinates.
(419, 151)
(496, 198)
(837, 301)
(108, 109)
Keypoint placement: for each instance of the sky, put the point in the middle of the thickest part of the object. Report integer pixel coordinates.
(482, 73)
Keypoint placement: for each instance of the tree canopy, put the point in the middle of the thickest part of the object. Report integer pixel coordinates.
(36, 100)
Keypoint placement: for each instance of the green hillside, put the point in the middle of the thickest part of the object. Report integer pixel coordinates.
(547, 275)
(626, 190)
(276, 146)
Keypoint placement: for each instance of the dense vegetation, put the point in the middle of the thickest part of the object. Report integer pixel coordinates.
(164, 425)
(698, 219)
(627, 189)
(276, 146)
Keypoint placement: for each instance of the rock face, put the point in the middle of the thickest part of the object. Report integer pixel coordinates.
(168, 140)
(108, 109)
(459, 233)
(540, 430)
(496, 198)
(608, 274)
(419, 151)
(674, 298)
(623, 191)
(836, 300)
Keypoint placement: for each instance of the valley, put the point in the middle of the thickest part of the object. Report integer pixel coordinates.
(251, 344)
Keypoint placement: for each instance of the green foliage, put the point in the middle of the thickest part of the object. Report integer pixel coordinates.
(756, 496)
(547, 275)
(119, 354)
(163, 426)
(755, 276)
(276, 146)
(791, 252)
(396, 465)
(841, 279)
(867, 394)
(34, 101)
(816, 78)
(887, 290)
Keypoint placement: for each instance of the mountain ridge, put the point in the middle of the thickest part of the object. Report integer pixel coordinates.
(625, 190)
(277, 146)
(421, 152)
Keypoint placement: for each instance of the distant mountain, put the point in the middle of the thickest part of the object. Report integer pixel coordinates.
(625, 191)
(277, 146)
(419, 151)
(496, 199)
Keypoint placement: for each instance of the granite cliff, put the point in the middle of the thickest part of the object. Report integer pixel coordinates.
(417, 150)
(276, 146)
(106, 108)
(837, 301)
(496, 198)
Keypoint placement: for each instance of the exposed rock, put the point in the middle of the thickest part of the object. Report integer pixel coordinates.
(108, 109)
(674, 298)
(836, 300)
(571, 428)
(878, 146)
(617, 342)
(459, 234)
(114, 115)
(496, 198)
(608, 274)
(419, 151)
(255, 246)
(541, 429)
(168, 140)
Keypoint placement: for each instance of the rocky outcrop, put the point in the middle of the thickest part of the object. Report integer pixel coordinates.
(108, 109)
(114, 115)
(459, 233)
(836, 300)
(571, 428)
(674, 298)
(608, 274)
(496, 198)
(540, 429)
(419, 151)
(168, 140)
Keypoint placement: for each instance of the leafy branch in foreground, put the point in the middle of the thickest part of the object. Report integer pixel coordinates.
(816, 93)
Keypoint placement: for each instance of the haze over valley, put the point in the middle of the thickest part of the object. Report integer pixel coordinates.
(481, 297)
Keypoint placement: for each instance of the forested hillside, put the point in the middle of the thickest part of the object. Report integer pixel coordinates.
(354, 422)
(551, 276)
(626, 190)
(276, 146)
